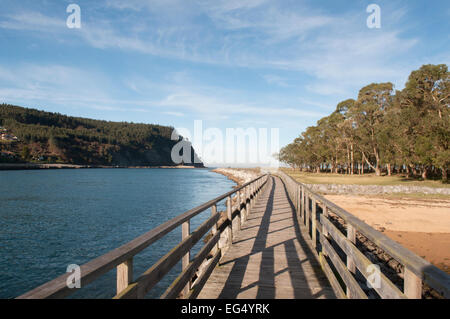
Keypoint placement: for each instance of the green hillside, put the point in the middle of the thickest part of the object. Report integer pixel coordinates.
(30, 135)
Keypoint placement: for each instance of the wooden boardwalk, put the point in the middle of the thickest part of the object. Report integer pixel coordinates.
(269, 257)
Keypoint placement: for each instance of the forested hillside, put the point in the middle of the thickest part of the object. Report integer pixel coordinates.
(51, 137)
(383, 131)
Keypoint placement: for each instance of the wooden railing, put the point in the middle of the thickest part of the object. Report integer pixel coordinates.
(238, 202)
(344, 263)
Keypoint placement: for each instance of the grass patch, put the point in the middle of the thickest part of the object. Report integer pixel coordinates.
(410, 196)
(366, 179)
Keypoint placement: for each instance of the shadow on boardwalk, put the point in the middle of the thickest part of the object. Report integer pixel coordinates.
(269, 258)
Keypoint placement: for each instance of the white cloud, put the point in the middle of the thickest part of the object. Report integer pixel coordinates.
(178, 114)
(275, 79)
(212, 106)
(34, 21)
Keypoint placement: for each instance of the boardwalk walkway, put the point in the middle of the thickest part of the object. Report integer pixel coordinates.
(269, 257)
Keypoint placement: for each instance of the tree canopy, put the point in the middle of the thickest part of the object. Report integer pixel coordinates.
(54, 137)
(383, 130)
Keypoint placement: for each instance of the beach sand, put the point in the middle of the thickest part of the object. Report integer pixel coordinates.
(423, 226)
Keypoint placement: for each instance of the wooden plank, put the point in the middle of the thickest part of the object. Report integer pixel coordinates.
(181, 281)
(131, 292)
(386, 288)
(124, 275)
(268, 258)
(350, 282)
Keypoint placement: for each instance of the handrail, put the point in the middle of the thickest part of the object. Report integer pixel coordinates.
(122, 257)
(416, 269)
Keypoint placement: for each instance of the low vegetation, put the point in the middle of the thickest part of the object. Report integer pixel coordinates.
(366, 179)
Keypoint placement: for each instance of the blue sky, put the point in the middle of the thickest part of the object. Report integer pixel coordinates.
(246, 63)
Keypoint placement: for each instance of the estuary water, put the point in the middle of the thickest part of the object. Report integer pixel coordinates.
(50, 219)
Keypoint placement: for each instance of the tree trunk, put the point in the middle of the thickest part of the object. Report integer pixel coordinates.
(377, 170)
(425, 172)
(408, 171)
(348, 161)
(444, 175)
(414, 170)
(389, 169)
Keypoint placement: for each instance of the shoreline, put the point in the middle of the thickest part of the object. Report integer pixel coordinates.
(238, 175)
(35, 166)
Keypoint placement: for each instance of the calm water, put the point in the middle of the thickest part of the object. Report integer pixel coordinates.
(52, 218)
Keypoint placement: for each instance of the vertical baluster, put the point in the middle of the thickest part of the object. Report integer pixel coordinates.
(302, 208)
(412, 285)
(185, 229)
(325, 213)
(307, 212)
(244, 208)
(247, 206)
(230, 221)
(313, 223)
(351, 236)
(124, 275)
(239, 217)
(214, 229)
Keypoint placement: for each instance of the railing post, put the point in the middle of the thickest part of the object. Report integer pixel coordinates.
(230, 220)
(124, 275)
(325, 214)
(313, 223)
(185, 229)
(214, 228)
(247, 206)
(239, 217)
(351, 236)
(244, 209)
(302, 205)
(412, 285)
(307, 212)
(251, 196)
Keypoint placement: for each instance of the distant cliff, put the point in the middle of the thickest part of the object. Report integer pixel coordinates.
(44, 137)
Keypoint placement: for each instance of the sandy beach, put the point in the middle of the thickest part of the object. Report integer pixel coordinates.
(423, 226)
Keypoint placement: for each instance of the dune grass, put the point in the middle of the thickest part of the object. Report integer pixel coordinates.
(366, 179)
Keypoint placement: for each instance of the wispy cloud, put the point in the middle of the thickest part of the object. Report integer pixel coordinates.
(178, 114)
(276, 80)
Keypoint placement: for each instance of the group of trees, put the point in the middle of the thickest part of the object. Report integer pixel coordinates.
(85, 141)
(382, 130)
